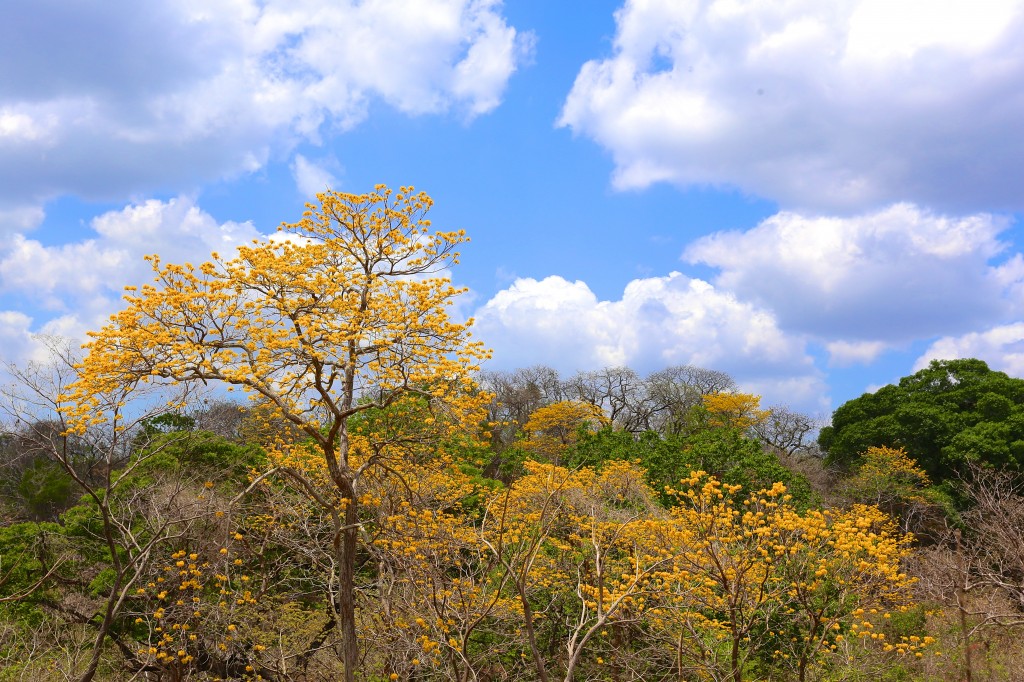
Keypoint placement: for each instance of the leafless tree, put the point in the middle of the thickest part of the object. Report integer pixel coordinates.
(517, 395)
(619, 392)
(673, 392)
(787, 433)
(661, 402)
(223, 418)
(979, 569)
(100, 463)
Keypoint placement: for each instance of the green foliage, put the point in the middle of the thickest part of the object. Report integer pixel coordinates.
(733, 458)
(659, 456)
(45, 489)
(199, 452)
(953, 412)
(25, 551)
(168, 423)
(725, 453)
(907, 622)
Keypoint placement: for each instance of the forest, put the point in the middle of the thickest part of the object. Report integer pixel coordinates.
(377, 505)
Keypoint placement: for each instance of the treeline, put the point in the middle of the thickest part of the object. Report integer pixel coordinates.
(662, 402)
(599, 527)
(379, 510)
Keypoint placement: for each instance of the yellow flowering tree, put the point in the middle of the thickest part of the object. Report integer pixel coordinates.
(554, 428)
(723, 586)
(886, 476)
(440, 605)
(580, 550)
(741, 411)
(343, 312)
(756, 580)
(891, 480)
(842, 573)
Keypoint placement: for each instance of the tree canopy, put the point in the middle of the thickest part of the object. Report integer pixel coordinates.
(346, 311)
(354, 521)
(951, 413)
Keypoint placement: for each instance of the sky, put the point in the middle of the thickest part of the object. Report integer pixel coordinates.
(815, 197)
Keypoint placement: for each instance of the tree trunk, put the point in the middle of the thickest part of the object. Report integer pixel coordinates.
(737, 674)
(961, 607)
(531, 637)
(104, 628)
(345, 545)
(112, 599)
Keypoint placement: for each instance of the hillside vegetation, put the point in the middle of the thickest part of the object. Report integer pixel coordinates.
(381, 509)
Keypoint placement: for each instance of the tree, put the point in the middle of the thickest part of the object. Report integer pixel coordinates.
(620, 393)
(345, 311)
(119, 525)
(675, 391)
(516, 395)
(786, 432)
(580, 548)
(554, 428)
(977, 568)
(722, 452)
(757, 579)
(735, 459)
(892, 481)
(945, 416)
(740, 411)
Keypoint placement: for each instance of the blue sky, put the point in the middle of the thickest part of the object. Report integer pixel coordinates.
(815, 197)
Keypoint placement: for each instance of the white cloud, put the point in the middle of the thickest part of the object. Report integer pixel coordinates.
(481, 76)
(20, 127)
(20, 218)
(101, 99)
(1001, 347)
(80, 284)
(840, 105)
(844, 353)
(659, 321)
(311, 178)
(15, 335)
(891, 276)
(881, 30)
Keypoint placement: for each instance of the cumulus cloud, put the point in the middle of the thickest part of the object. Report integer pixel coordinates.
(844, 353)
(100, 99)
(312, 177)
(76, 286)
(659, 321)
(893, 275)
(1001, 347)
(15, 335)
(20, 219)
(841, 105)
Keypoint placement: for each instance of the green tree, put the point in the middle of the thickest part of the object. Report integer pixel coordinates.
(45, 488)
(945, 416)
(723, 452)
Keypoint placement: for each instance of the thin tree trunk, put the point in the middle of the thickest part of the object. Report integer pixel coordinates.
(961, 605)
(97, 651)
(737, 674)
(531, 637)
(968, 676)
(345, 549)
(108, 610)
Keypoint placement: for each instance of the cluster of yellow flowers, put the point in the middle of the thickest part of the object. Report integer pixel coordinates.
(193, 596)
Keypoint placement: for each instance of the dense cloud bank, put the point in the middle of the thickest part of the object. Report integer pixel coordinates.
(123, 101)
(833, 106)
